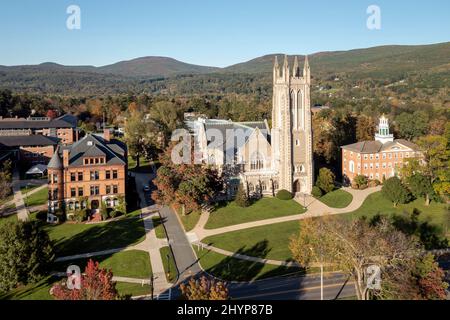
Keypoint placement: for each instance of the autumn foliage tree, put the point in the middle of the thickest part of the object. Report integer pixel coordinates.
(204, 289)
(185, 185)
(95, 284)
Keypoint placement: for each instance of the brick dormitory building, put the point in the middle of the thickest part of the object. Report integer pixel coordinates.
(378, 159)
(87, 173)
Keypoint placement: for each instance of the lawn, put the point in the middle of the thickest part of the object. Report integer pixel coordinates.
(272, 241)
(37, 291)
(41, 290)
(26, 189)
(37, 198)
(159, 228)
(73, 239)
(132, 264)
(232, 269)
(337, 199)
(133, 289)
(4, 220)
(269, 241)
(436, 214)
(190, 221)
(144, 164)
(169, 264)
(265, 208)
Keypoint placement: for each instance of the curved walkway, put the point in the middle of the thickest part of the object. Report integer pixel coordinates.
(315, 208)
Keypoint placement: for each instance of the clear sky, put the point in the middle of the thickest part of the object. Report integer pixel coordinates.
(208, 32)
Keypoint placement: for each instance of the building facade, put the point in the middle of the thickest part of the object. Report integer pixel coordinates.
(36, 149)
(265, 159)
(87, 174)
(379, 159)
(63, 128)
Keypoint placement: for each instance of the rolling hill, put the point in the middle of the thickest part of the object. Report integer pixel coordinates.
(384, 62)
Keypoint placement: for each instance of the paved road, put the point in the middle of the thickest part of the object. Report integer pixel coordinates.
(291, 288)
(184, 256)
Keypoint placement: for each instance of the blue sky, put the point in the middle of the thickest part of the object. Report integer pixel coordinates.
(208, 32)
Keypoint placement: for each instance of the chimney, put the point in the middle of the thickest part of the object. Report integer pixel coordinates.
(107, 135)
(65, 158)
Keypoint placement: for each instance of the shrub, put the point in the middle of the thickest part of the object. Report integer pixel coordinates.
(325, 180)
(316, 192)
(241, 199)
(359, 181)
(284, 195)
(115, 213)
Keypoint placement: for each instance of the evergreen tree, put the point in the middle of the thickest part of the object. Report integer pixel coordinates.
(241, 197)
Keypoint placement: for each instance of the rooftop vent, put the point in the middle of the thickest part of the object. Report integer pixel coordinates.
(89, 143)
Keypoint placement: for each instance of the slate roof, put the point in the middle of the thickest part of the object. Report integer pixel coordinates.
(34, 124)
(27, 141)
(94, 146)
(55, 162)
(377, 146)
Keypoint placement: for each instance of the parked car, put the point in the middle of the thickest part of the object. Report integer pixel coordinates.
(146, 188)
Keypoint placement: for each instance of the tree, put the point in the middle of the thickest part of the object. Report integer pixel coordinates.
(5, 180)
(95, 284)
(395, 191)
(167, 117)
(430, 279)
(204, 289)
(352, 246)
(420, 186)
(365, 128)
(412, 125)
(436, 152)
(241, 197)
(26, 253)
(140, 137)
(360, 181)
(51, 114)
(325, 180)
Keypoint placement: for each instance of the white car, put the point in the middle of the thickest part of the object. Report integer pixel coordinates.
(146, 188)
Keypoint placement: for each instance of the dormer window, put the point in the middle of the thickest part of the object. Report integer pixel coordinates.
(90, 143)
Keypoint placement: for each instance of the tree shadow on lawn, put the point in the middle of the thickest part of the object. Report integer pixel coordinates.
(115, 234)
(235, 269)
(32, 289)
(431, 236)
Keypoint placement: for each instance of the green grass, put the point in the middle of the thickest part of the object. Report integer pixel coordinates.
(232, 269)
(159, 228)
(269, 241)
(144, 164)
(337, 199)
(41, 290)
(133, 289)
(37, 198)
(265, 208)
(272, 241)
(131, 264)
(73, 239)
(37, 291)
(10, 218)
(26, 189)
(190, 221)
(171, 274)
(436, 214)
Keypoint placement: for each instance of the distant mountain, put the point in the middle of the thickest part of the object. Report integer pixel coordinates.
(154, 67)
(385, 62)
(371, 62)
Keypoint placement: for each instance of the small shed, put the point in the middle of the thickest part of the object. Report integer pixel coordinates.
(37, 169)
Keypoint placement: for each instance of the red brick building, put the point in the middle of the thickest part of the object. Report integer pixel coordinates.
(35, 149)
(63, 128)
(88, 173)
(376, 159)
